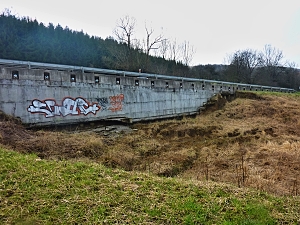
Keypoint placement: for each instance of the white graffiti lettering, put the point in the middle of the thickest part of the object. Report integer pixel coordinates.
(69, 106)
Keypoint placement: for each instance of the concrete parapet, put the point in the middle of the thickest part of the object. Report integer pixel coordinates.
(46, 94)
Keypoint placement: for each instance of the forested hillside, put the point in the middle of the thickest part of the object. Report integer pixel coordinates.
(27, 39)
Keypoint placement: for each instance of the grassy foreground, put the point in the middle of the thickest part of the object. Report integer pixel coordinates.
(34, 191)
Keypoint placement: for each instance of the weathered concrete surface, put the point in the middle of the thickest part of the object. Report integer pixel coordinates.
(43, 102)
(59, 95)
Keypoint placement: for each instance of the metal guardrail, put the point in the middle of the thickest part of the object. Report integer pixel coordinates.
(37, 65)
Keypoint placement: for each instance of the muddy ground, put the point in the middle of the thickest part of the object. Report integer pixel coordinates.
(251, 141)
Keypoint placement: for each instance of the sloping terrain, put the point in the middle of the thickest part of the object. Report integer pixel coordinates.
(250, 141)
(35, 191)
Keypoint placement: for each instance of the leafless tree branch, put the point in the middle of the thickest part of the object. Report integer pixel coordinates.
(125, 29)
(188, 52)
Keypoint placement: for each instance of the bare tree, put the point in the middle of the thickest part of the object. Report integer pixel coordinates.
(290, 77)
(272, 61)
(125, 29)
(174, 50)
(242, 65)
(124, 32)
(188, 52)
(234, 68)
(151, 43)
(271, 56)
(163, 48)
(251, 60)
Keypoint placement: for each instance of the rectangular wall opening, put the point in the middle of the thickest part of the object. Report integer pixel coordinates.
(97, 80)
(46, 76)
(118, 81)
(73, 78)
(15, 75)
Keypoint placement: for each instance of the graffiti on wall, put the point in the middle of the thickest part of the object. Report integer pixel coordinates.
(116, 103)
(112, 103)
(69, 106)
(103, 102)
(77, 106)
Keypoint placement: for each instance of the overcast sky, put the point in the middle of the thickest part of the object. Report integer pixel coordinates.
(214, 27)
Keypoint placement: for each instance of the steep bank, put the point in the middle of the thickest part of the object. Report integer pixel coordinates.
(250, 141)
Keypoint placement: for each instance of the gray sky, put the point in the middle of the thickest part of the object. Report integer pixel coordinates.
(214, 27)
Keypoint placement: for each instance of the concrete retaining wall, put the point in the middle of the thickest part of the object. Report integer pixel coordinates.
(47, 94)
(59, 100)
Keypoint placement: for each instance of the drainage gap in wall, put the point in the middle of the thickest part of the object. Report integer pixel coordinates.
(73, 78)
(46, 76)
(97, 80)
(15, 75)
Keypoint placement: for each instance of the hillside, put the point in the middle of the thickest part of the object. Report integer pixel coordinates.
(251, 141)
(28, 40)
(34, 191)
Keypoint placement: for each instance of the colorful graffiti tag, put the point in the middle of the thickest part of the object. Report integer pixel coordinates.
(69, 106)
(116, 103)
(77, 106)
(112, 103)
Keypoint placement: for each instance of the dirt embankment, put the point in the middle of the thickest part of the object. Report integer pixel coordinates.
(251, 141)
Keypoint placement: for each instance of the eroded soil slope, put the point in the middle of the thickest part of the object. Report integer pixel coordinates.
(252, 141)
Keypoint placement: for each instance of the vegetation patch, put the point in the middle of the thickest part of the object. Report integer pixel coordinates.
(248, 142)
(35, 191)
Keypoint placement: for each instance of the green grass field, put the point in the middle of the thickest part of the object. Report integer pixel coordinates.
(34, 191)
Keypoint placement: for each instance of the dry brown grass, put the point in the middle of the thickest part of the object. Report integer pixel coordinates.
(252, 141)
